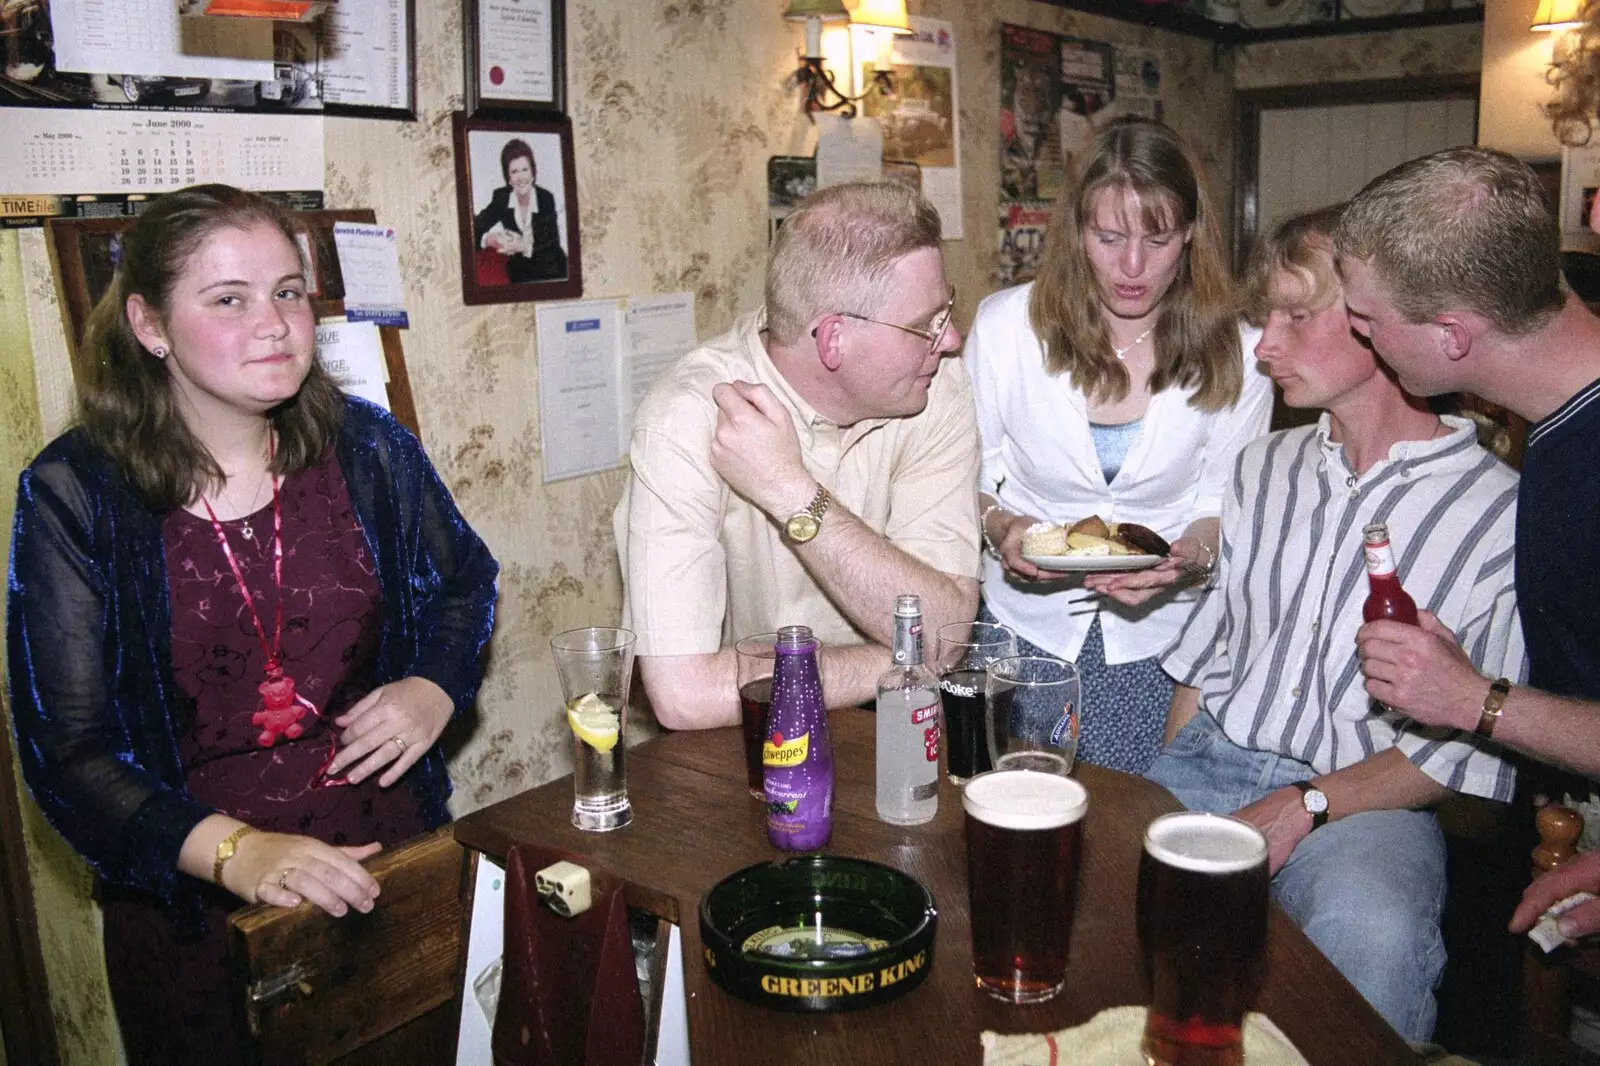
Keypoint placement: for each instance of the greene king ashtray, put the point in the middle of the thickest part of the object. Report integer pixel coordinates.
(818, 933)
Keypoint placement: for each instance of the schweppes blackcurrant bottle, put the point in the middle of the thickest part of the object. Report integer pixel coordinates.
(797, 756)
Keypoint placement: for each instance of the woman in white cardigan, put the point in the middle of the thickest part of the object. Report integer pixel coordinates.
(1119, 383)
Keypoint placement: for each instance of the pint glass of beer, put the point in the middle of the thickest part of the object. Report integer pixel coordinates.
(1024, 831)
(1202, 917)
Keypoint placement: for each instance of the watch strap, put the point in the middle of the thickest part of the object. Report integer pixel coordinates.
(819, 503)
(1318, 818)
(226, 849)
(1493, 704)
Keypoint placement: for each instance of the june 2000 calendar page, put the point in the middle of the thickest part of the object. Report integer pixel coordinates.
(148, 152)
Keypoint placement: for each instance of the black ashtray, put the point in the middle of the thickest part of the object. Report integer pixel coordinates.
(818, 933)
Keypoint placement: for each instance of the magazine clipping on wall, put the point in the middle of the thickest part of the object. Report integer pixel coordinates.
(145, 54)
(921, 121)
(1056, 92)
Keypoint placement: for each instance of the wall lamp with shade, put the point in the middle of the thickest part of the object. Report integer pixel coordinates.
(1554, 15)
(879, 20)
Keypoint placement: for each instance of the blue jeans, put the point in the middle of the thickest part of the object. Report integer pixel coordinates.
(1367, 889)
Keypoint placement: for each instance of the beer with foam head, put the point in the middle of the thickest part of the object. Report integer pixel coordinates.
(1024, 837)
(1202, 917)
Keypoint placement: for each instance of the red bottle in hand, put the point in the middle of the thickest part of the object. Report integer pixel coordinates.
(1385, 597)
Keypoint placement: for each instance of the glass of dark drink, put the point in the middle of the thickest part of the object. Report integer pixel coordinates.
(757, 658)
(1031, 713)
(1202, 916)
(1024, 840)
(964, 651)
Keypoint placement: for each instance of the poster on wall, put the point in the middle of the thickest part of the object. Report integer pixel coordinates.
(1031, 164)
(1139, 83)
(922, 121)
(1056, 93)
(357, 59)
(1088, 96)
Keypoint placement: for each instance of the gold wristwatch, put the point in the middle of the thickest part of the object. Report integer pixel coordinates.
(803, 526)
(1493, 704)
(225, 850)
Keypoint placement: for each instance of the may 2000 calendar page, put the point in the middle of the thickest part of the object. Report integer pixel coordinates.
(144, 151)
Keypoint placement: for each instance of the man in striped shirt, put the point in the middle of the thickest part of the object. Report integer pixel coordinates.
(1270, 721)
(1451, 265)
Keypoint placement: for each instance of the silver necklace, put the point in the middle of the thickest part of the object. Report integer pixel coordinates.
(244, 527)
(1120, 352)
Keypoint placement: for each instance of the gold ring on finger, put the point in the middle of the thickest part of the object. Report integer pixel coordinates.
(400, 741)
(283, 881)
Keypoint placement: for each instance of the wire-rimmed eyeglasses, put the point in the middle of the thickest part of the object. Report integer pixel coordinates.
(932, 334)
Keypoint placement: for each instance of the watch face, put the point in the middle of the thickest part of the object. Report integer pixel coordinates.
(1316, 802)
(801, 527)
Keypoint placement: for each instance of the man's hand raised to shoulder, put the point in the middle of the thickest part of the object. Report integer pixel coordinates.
(756, 451)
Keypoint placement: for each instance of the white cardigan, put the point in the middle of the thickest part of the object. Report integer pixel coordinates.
(1036, 441)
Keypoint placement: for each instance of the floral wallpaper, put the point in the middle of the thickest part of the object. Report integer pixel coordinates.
(676, 106)
(1361, 56)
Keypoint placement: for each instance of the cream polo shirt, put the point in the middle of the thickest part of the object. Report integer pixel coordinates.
(702, 566)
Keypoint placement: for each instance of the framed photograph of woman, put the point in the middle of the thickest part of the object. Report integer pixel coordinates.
(518, 204)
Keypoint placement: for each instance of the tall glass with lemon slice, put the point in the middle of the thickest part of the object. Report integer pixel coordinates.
(596, 666)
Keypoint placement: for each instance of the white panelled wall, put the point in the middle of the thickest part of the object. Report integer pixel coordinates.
(1315, 156)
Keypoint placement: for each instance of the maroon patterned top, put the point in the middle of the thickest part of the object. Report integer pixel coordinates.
(172, 997)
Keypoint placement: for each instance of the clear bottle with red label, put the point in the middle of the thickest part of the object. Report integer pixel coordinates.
(908, 726)
(797, 755)
(1385, 597)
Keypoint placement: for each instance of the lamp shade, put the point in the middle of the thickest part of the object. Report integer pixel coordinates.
(881, 14)
(1558, 14)
(826, 10)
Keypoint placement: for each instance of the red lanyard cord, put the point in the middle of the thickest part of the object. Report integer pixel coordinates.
(282, 707)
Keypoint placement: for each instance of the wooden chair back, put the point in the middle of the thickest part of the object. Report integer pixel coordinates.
(379, 987)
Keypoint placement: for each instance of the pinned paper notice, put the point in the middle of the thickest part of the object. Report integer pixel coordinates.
(353, 353)
(369, 259)
(848, 149)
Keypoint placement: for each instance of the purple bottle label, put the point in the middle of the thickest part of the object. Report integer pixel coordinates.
(797, 755)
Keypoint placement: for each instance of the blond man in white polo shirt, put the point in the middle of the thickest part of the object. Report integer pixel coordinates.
(807, 466)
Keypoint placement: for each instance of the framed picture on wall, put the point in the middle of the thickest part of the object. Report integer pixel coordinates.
(518, 197)
(516, 55)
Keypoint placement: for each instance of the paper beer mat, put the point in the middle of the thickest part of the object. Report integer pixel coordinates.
(1111, 1038)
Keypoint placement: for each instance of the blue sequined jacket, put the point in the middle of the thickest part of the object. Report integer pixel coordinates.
(89, 631)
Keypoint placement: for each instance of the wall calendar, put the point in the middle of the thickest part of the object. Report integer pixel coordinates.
(151, 152)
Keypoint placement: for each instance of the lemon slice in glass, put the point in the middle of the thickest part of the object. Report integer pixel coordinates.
(594, 721)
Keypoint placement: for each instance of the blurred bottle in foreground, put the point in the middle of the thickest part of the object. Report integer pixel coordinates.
(908, 726)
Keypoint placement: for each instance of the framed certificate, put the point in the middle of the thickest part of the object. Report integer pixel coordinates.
(516, 56)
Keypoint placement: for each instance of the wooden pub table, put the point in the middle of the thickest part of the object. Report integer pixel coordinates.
(695, 822)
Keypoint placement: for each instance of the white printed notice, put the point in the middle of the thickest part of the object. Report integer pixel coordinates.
(369, 259)
(365, 59)
(578, 356)
(659, 332)
(353, 353)
(149, 38)
(922, 120)
(514, 51)
(151, 151)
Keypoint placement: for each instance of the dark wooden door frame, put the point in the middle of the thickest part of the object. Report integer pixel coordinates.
(1249, 103)
(25, 1014)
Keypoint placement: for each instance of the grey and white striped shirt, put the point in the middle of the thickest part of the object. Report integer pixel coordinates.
(1272, 645)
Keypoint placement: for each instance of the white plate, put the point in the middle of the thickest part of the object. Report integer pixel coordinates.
(1086, 563)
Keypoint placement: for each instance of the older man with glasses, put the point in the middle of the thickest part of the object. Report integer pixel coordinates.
(807, 466)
